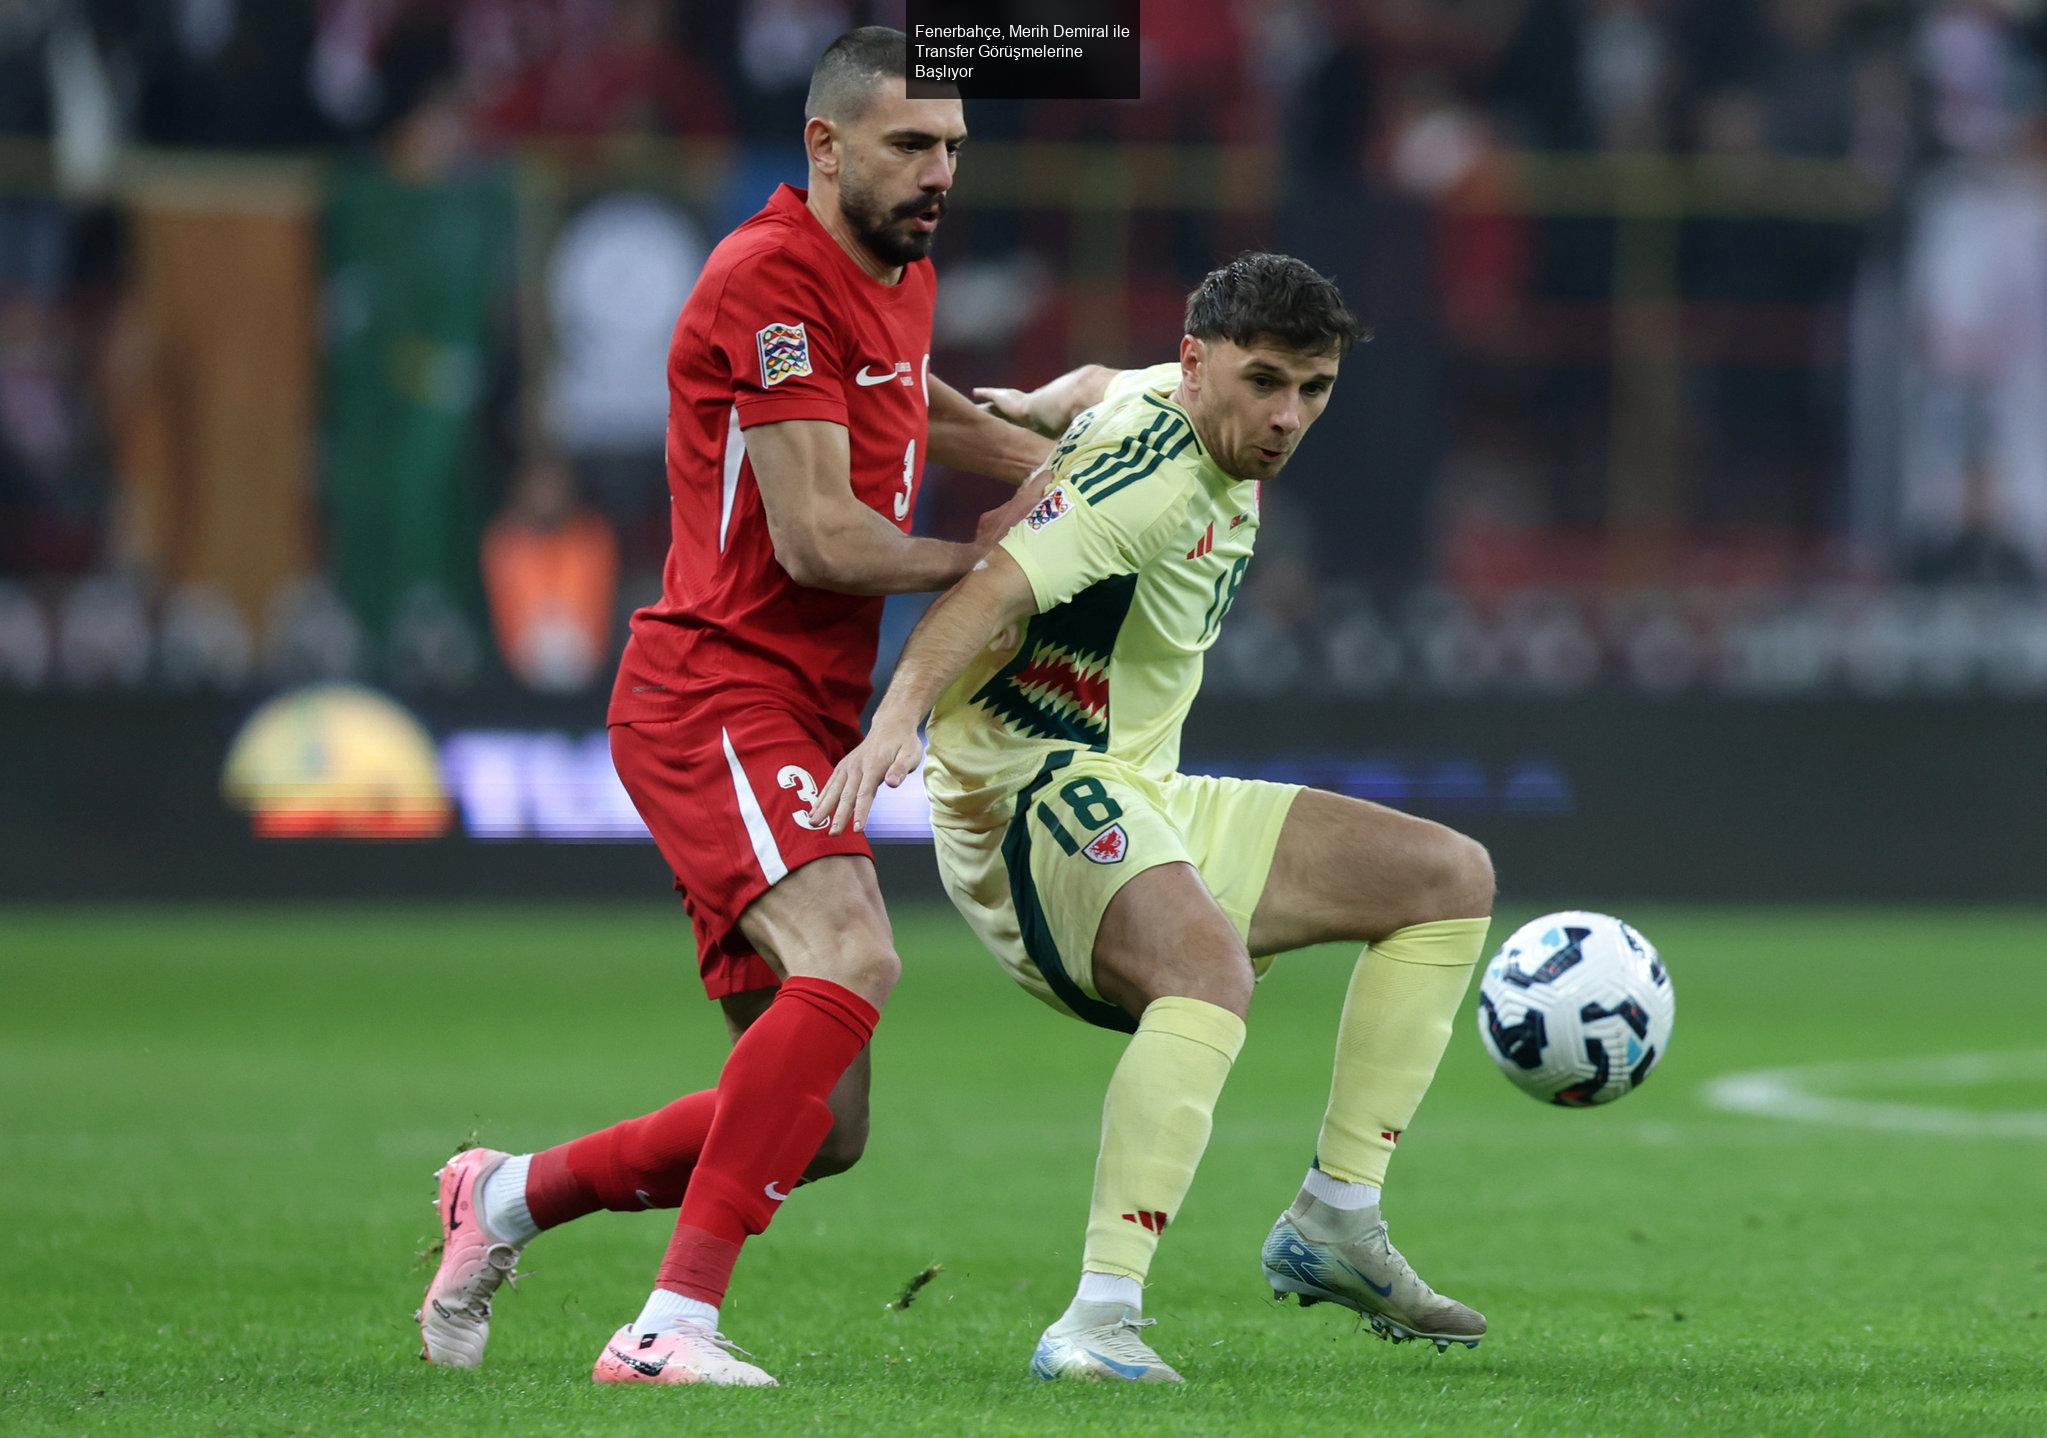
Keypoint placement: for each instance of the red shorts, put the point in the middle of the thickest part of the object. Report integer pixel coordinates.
(725, 792)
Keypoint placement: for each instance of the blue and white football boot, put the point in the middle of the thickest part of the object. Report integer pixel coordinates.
(1335, 1255)
(1101, 1342)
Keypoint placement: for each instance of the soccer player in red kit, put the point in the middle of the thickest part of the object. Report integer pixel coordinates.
(801, 411)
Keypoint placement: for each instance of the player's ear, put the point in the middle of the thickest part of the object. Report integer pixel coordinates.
(1193, 354)
(821, 144)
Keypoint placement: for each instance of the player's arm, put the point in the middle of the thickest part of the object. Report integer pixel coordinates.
(776, 336)
(828, 539)
(964, 621)
(1049, 408)
(966, 436)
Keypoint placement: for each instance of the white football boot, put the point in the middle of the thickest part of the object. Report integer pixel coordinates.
(1335, 1255)
(1100, 1342)
(691, 1353)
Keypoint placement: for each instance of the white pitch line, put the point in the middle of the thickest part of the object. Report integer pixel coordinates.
(1810, 1094)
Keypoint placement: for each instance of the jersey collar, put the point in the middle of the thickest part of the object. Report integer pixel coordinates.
(793, 203)
(1211, 473)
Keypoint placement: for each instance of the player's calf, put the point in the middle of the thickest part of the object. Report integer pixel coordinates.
(847, 1141)
(842, 1148)
(1165, 951)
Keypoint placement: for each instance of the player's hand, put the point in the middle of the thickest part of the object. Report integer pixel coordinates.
(885, 756)
(999, 521)
(1013, 405)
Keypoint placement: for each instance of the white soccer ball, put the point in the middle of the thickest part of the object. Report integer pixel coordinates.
(1576, 1009)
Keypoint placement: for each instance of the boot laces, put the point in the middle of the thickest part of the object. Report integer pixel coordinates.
(1125, 1341)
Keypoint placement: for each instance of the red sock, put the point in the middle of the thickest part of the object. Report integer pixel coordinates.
(771, 1120)
(640, 1163)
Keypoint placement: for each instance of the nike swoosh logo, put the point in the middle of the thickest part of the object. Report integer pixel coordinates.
(1385, 1292)
(868, 381)
(646, 1199)
(455, 1208)
(777, 1197)
(639, 1364)
(1126, 1370)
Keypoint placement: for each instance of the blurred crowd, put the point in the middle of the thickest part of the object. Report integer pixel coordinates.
(1807, 77)
(1711, 321)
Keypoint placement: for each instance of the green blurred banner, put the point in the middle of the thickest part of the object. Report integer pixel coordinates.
(419, 287)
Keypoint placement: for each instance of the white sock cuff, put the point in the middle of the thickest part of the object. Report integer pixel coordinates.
(502, 1204)
(666, 1311)
(1338, 1194)
(1110, 1288)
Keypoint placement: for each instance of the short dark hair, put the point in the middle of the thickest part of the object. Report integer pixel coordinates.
(1276, 298)
(843, 81)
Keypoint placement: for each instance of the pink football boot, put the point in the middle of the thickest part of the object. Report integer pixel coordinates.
(692, 1354)
(454, 1317)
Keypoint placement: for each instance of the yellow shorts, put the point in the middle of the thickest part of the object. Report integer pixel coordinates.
(1034, 880)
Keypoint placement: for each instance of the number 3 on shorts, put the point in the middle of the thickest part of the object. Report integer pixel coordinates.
(795, 776)
(1092, 808)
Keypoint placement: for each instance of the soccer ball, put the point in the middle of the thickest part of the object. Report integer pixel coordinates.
(1576, 1009)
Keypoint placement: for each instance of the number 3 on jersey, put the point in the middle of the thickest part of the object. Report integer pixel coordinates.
(909, 465)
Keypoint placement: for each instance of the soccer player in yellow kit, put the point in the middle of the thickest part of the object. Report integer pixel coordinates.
(1058, 674)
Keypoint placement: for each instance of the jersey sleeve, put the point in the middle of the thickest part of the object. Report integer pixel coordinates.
(779, 333)
(1071, 540)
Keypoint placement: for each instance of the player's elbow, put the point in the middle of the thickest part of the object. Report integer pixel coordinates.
(804, 561)
(811, 560)
(839, 575)
(825, 556)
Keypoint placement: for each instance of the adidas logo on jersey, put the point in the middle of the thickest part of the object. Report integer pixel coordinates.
(1206, 544)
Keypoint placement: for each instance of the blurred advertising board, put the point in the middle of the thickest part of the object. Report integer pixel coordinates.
(1594, 800)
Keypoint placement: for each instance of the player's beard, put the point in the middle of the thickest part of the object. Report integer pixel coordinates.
(882, 228)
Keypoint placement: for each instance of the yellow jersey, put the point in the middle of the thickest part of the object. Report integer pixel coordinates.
(1134, 556)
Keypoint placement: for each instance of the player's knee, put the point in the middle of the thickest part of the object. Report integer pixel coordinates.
(884, 968)
(1227, 985)
(1234, 983)
(1459, 882)
(1216, 976)
(868, 969)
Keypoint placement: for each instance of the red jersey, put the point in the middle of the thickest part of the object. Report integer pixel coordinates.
(782, 325)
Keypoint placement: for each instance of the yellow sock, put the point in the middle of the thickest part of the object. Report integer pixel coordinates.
(1404, 995)
(1155, 1124)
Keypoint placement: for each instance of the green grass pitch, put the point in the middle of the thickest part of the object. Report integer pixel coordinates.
(217, 1129)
